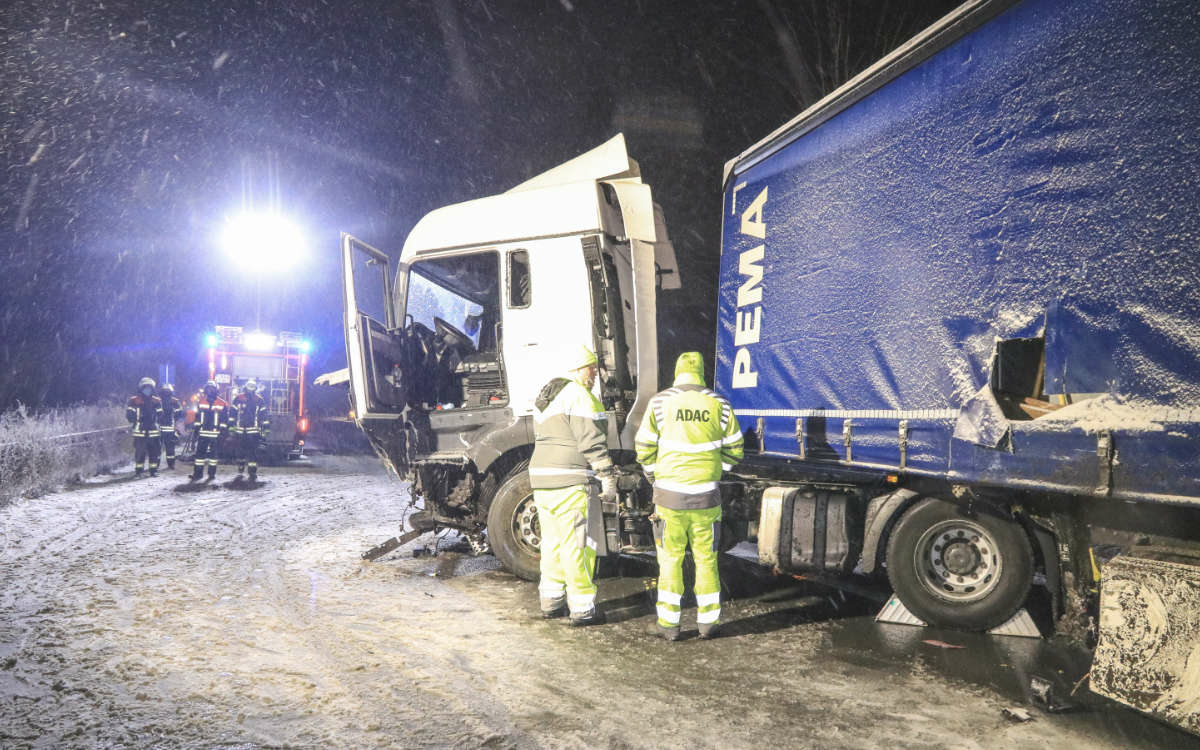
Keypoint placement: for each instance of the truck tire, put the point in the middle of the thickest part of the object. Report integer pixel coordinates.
(955, 570)
(512, 526)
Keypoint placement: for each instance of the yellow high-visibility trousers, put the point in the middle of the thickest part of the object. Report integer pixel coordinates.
(568, 556)
(674, 532)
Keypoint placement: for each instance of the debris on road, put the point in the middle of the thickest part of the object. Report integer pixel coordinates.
(1045, 696)
(380, 550)
(1017, 714)
(940, 644)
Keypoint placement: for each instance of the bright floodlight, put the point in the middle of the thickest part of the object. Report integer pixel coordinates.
(263, 241)
(259, 341)
(211, 340)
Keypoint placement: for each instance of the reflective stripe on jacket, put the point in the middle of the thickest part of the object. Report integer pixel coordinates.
(144, 412)
(571, 434)
(688, 437)
(211, 417)
(248, 414)
(171, 408)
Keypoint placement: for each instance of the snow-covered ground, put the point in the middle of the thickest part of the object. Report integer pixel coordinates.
(137, 616)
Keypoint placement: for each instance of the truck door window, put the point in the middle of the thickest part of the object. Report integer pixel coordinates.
(520, 293)
(459, 294)
(370, 287)
(454, 303)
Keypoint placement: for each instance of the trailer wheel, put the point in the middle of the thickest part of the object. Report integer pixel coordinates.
(513, 529)
(956, 570)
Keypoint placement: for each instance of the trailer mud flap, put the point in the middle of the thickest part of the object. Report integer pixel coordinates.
(1148, 655)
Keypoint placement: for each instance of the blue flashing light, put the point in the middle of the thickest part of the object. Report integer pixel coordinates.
(305, 346)
(210, 340)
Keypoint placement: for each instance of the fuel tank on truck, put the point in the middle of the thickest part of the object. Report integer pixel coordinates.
(977, 260)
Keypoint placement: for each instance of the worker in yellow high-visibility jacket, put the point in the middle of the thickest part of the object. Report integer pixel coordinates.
(688, 437)
(571, 446)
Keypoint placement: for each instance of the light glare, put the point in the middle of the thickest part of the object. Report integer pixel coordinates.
(263, 241)
(258, 341)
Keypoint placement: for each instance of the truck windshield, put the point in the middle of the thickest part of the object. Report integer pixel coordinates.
(461, 291)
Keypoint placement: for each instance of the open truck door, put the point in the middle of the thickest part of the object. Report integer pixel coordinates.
(379, 357)
(374, 347)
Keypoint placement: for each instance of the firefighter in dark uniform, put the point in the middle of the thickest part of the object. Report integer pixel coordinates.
(250, 423)
(171, 410)
(143, 412)
(212, 421)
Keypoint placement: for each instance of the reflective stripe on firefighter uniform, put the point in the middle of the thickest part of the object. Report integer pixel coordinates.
(212, 417)
(143, 412)
(211, 420)
(571, 445)
(171, 409)
(248, 418)
(687, 438)
(248, 415)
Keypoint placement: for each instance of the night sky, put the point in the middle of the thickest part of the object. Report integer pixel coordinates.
(131, 132)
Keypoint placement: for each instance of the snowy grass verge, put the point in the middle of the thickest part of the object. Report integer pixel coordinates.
(42, 451)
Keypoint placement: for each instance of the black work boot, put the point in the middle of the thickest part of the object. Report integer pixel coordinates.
(592, 617)
(212, 473)
(170, 463)
(552, 608)
(667, 634)
(709, 630)
(253, 474)
(153, 471)
(137, 472)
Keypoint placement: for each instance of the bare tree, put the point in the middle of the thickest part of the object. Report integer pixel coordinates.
(824, 43)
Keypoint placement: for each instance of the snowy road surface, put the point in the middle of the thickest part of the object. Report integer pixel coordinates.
(134, 616)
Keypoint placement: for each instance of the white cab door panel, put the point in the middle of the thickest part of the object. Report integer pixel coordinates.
(557, 316)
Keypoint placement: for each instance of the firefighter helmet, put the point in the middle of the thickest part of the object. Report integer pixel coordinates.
(146, 382)
(168, 387)
(251, 386)
(210, 384)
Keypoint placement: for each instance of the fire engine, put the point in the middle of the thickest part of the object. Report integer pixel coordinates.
(277, 363)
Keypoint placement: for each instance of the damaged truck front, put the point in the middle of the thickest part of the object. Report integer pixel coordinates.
(446, 358)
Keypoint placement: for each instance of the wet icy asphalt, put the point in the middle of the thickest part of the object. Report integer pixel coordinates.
(135, 616)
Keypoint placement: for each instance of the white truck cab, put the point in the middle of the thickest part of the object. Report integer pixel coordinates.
(446, 358)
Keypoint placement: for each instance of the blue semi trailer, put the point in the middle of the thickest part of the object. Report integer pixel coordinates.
(957, 319)
(958, 315)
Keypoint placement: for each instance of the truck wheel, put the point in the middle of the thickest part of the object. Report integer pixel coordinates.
(513, 529)
(955, 570)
